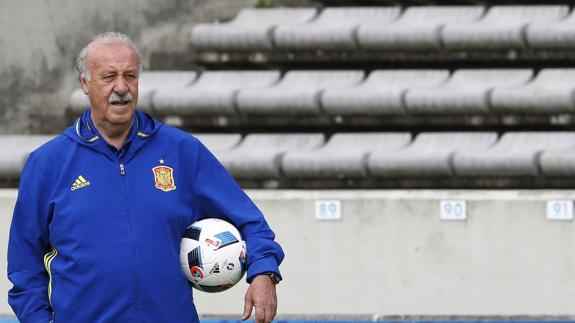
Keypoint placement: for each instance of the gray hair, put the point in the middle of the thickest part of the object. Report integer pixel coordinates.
(104, 38)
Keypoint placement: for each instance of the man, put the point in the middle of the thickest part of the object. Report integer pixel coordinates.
(94, 239)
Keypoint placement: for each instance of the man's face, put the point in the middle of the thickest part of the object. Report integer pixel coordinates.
(114, 78)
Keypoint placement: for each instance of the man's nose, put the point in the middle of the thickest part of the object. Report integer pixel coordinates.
(121, 86)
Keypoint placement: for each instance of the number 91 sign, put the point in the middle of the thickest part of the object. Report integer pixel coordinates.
(561, 210)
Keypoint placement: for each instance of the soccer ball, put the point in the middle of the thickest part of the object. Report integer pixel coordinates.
(212, 255)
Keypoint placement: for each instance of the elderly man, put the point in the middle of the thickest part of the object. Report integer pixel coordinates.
(94, 238)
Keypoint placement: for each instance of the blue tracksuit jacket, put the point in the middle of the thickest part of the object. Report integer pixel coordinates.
(96, 232)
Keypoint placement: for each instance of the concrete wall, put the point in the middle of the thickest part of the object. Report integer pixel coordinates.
(41, 38)
(390, 254)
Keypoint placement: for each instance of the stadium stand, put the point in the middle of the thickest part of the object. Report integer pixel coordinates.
(552, 34)
(466, 92)
(213, 93)
(501, 27)
(382, 93)
(344, 155)
(251, 29)
(330, 97)
(16, 149)
(259, 155)
(418, 28)
(334, 28)
(298, 92)
(217, 142)
(515, 154)
(552, 91)
(558, 163)
(429, 155)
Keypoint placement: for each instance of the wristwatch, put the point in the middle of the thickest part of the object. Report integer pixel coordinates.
(275, 278)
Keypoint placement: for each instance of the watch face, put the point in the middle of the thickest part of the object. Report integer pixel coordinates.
(275, 278)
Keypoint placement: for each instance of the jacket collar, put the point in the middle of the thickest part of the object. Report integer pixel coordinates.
(85, 133)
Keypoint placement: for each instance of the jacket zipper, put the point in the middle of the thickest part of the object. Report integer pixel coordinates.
(132, 239)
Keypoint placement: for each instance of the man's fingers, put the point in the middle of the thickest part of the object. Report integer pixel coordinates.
(261, 315)
(247, 309)
(270, 314)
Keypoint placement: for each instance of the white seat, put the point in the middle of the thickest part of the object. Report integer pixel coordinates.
(515, 154)
(502, 27)
(343, 156)
(381, 93)
(430, 154)
(298, 92)
(333, 29)
(148, 84)
(251, 29)
(558, 162)
(552, 91)
(466, 92)
(219, 142)
(15, 152)
(418, 28)
(552, 34)
(214, 93)
(259, 155)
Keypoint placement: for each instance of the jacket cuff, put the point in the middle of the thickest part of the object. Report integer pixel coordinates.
(37, 317)
(263, 265)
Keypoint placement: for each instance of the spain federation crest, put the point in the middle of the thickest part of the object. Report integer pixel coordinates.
(164, 178)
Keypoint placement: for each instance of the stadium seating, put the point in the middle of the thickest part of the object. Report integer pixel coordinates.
(213, 93)
(149, 83)
(418, 28)
(218, 142)
(558, 163)
(466, 92)
(251, 29)
(429, 155)
(259, 155)
(552, 34)
(343, 156)
(15, 151)
(515, 154)
(501, 27)
(382, 93)
(484, 89)
(334, 28)
(298, 92)
(552, 91)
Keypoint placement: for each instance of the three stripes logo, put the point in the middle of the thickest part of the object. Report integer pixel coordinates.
(79, 183)
(48, 258)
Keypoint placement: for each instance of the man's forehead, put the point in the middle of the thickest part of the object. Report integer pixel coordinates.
(111, 52)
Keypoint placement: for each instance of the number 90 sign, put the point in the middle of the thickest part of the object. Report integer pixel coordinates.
(452, 210)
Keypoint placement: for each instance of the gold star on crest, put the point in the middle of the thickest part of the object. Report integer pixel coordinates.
(161, 161)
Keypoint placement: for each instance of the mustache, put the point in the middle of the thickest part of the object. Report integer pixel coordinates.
(116, 98)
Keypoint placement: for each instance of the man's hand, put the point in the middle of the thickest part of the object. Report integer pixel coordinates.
(262, 295)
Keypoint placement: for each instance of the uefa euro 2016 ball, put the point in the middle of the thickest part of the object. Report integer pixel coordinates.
(212, 255)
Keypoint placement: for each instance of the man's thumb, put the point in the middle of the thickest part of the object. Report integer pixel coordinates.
(247, 310)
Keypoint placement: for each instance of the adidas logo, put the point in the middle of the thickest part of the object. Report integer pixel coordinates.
(215, 269)
(79, 183)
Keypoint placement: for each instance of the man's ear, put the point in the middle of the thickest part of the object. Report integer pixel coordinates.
(84, 84)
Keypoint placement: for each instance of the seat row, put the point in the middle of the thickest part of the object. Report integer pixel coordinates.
(360, 155)
(356, 155)
(390, 28)
(351, 92)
